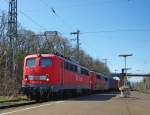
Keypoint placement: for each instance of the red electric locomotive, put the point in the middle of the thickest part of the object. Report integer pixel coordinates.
(50, 75)
(47, 74)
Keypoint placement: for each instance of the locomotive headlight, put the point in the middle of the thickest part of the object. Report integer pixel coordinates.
(43, 77)
(47, 79)
(26, 78)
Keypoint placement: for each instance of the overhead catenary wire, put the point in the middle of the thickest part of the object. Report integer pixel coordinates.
(52, 9)
(29, 18)
(116, 30)
(32, 20)
(88, 32)
(89, 3)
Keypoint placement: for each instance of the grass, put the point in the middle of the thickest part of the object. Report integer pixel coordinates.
(7, 99)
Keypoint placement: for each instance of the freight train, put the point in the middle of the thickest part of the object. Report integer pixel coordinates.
(50, 75)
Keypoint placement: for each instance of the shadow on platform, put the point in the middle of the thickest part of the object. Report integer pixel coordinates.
(96, 97)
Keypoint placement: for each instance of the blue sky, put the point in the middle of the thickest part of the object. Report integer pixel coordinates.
(108, 27)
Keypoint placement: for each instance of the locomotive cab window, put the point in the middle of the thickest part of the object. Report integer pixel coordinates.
(44, 62)
(30, 62)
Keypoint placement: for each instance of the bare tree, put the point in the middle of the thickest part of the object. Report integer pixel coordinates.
(30, 42)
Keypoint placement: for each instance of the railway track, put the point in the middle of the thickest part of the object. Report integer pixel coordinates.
(25, 102)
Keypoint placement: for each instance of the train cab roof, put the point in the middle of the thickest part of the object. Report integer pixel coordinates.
(40, 55)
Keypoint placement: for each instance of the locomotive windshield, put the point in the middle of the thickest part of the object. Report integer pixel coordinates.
(44, 62)
(30, 62)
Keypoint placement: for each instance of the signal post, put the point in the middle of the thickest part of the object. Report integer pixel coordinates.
(124, 88)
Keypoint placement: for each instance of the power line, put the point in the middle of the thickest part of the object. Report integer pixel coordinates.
(32, 20)
(29, 18)
(89, 3)
(78, 44)
(53, 10)
(117, 30)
